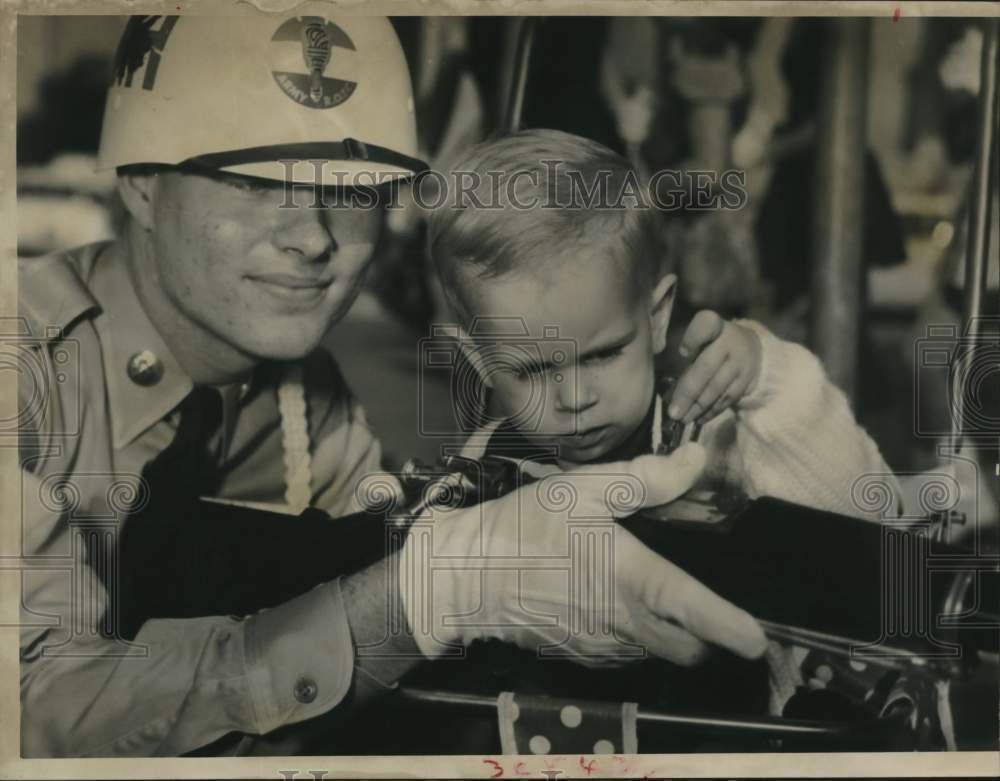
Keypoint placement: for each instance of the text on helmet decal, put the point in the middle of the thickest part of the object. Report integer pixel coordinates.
(141, 47)
(313, 62)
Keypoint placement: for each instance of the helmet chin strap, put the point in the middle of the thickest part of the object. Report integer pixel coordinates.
(295, 440)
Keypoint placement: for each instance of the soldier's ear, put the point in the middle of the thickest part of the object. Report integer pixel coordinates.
(136, 191)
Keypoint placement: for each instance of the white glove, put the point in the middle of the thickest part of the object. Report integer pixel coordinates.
(547, 568)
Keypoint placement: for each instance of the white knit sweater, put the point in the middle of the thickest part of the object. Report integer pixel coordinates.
(794, 437)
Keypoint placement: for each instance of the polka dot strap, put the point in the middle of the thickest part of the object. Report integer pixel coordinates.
(539, 724)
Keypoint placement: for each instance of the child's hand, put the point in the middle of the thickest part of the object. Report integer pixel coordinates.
(724, 370)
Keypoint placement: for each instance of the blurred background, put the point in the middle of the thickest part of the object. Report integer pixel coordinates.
(705, 93)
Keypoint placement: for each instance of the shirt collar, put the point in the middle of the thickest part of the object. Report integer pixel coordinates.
(125, 330)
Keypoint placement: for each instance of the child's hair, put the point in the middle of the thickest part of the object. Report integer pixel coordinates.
(531, 196)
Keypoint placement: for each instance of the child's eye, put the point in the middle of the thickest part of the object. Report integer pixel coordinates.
(605, 355)
(529, 371)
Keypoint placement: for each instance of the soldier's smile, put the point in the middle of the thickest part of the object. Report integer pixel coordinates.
(292, 288)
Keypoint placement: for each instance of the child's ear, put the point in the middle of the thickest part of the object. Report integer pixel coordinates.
(661, 305)
(473, 356)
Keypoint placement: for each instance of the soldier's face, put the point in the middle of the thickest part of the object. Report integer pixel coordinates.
(266, 279)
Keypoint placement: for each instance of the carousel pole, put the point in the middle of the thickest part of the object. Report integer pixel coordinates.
(978, 254)
(838, 282)
(514, 108)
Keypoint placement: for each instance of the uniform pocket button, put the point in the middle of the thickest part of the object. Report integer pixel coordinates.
(306, 689)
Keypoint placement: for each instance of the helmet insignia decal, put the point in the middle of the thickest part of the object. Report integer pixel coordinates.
(316, 53)
(142, 46)
(313, 62)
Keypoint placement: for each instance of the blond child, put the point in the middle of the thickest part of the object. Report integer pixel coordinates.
(559, 280)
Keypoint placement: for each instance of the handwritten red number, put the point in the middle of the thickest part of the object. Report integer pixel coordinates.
(497, 767)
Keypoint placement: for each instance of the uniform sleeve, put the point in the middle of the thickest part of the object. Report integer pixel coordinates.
(795, 438)
(180, 684)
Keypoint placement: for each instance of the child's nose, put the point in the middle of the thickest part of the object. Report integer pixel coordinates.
(573, 394)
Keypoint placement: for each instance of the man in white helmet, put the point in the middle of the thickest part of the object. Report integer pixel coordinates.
(196, 335)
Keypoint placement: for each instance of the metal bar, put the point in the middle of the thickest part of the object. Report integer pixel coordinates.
(518, 86)
(838, 281)
(842, 646)
(770, 725)
(978, 244)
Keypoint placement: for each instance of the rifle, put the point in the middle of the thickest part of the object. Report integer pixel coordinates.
(925, 677)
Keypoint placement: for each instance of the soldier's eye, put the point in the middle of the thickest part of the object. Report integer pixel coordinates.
(252, 185)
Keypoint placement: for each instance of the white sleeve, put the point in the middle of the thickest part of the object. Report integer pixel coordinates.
(796, 439)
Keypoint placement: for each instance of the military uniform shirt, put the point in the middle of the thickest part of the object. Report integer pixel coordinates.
(97, 404)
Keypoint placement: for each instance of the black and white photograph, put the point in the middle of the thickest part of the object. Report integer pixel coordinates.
(551, 395)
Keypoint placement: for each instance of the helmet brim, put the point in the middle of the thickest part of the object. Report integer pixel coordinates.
(337, 163)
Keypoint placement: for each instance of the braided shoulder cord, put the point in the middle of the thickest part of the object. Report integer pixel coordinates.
(295, 440)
